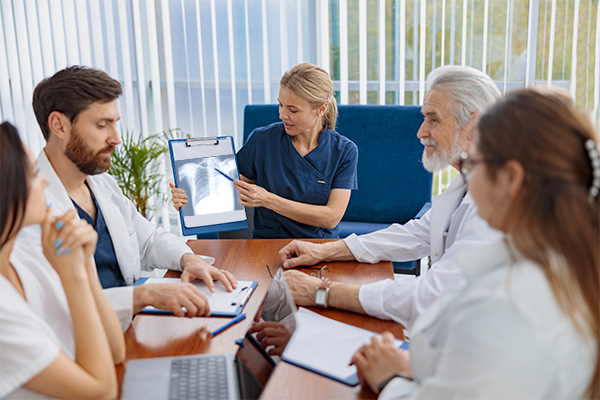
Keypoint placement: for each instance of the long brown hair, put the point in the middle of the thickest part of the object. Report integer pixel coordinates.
(14, 181)
(552, 222)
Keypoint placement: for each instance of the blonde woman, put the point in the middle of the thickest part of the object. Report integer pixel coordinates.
(297, 173)
(526, 323)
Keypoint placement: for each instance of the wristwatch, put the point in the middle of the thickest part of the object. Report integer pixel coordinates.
(321, 296)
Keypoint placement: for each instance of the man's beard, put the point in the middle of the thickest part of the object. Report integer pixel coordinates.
(438, 159)
(84, 158)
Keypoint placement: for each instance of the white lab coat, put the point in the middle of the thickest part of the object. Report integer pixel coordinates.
(138, 243)
(449, 227)
(502, 335)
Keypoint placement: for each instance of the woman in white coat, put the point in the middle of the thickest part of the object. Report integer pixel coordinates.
(59, 337)
(526, 323)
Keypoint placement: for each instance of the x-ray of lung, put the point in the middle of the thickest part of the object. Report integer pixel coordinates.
(208, 191)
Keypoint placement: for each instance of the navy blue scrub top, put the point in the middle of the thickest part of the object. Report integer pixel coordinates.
(270, 158)
(106, 260)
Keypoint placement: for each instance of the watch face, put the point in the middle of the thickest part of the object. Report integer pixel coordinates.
(320, 296)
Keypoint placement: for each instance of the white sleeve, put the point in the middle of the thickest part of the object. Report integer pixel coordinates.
(27, 344)
(404, 300)
(407, 242)
(121, 301)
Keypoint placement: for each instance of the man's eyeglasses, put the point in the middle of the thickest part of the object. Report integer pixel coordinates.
(466, 164)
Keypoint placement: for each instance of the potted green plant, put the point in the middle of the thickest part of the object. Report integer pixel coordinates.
(136, 165)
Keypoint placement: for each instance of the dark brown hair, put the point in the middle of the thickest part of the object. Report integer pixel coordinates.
(552, 222)
(14, 181)
(70, 91)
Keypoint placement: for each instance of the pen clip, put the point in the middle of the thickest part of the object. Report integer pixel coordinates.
(241, 297)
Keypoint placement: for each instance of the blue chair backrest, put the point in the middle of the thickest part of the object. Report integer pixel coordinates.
(392, 184)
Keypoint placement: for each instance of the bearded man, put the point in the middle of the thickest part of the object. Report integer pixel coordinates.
(456, 95)
(77, 112)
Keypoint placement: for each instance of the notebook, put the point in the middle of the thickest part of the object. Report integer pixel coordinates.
(204, 376)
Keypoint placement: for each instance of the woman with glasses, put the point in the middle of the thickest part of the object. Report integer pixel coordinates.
(59, 337)
(526, 323)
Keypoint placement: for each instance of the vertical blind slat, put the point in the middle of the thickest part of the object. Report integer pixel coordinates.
(381, 28)
(362, 52)
(215, 54)
(232, 67)
(139, 62)
(97, 37)
(422, 50)
(343, 13)
(463, 47)
(128, 94)
(551, 51)
(265, 52)
(152, 36)
(248, 60)
(70, 29)
(187, 69)
(168, 54)
(201, 62)
(402, 67)
(83, 32)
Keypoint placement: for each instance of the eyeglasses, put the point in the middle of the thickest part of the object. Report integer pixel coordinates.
(322, 274)
(466, 164)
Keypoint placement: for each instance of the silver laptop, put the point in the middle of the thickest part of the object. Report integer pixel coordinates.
(202, 376)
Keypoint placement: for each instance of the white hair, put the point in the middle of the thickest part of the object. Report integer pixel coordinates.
(469, 89)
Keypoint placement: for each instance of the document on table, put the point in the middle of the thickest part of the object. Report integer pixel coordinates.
(222, 303)
(326, 346)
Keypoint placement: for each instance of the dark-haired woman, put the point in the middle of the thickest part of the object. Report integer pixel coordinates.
(526, 324)
(58, 335)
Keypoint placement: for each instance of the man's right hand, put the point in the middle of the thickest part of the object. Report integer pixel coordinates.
(172, 297)
(301, 253)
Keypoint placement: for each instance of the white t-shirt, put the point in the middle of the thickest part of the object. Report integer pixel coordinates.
(32, 331)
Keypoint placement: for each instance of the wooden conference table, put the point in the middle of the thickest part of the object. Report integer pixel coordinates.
(161, 336)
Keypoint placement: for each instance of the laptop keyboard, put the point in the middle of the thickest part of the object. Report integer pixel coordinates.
(199, 378)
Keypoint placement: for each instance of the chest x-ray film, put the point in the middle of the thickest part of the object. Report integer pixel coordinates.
(201, 168)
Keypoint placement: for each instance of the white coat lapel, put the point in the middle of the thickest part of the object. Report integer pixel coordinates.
(442, 208)
(56, 194)
(117, 229)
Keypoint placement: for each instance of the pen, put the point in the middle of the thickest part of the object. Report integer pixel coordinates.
(224, 174)
(241, 296)
(228, 324)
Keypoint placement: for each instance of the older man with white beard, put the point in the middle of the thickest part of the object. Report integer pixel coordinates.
(456, 95)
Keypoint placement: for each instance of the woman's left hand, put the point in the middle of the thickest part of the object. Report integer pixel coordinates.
(252, 195)
(379, 360)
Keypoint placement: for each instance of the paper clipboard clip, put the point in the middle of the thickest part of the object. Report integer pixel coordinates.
(201, 142)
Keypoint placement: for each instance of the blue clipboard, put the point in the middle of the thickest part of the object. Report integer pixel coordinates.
(199, 166)
(241, 298)
(352, 380)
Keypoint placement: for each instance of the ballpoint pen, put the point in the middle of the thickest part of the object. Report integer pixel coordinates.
(241, 296)
(228, 324)
(224, 174)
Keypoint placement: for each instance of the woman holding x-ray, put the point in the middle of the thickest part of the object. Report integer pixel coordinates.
(297, 173)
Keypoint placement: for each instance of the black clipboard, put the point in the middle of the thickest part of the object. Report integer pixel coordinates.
(205, 168)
